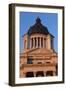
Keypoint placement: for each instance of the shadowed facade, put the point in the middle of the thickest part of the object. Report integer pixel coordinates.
(38, 57)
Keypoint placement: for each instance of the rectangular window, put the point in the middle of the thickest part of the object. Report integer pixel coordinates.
(32, 42)
(44, 43)
(51, 43)
(38, 42)
(29, 61)
(35, 42)
(41, 42)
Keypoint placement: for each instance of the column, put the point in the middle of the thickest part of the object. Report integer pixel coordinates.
(34, 74)
(37, 42)
(22, 74)
(54, 73)
(48, 42)
(44, 74)
(25, 45)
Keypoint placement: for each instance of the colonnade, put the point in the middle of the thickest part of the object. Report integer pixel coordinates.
(37, 42)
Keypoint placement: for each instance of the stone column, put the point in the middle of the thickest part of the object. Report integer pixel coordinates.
(37, 42)
(48, 42)
(34, 74)
(44, 74)
(54, 73)
(22, 74)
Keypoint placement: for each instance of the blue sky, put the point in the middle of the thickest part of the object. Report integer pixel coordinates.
(49, 20)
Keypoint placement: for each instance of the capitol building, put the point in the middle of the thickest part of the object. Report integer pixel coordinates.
(38, 57)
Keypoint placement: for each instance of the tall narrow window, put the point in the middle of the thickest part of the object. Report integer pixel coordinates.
(45, 43)
(41, 42)
(32, 42)
(38, 42)
(35, 42)
(51, 43)
(28, 43)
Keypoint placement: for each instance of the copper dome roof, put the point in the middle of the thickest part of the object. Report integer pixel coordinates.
(38, 28)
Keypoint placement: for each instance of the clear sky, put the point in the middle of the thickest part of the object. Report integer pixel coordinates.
(50, 20)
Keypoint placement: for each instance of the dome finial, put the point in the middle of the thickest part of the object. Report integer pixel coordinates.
(38, 20)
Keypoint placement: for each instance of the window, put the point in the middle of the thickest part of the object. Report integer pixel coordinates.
(35, 42)
(38, 42)
(51, 43)
(29, 74)
(49, 73)
(45, 43)
(29, 61)
(32, 42)
(39, 62)
(48, 62)
(56, 69)
(39, 74)
(41, 42)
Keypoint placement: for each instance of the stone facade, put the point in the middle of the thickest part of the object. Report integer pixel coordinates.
(38, 57)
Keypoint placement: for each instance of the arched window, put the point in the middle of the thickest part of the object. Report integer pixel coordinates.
(29, 74)
(39, 74)
(49, 73)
